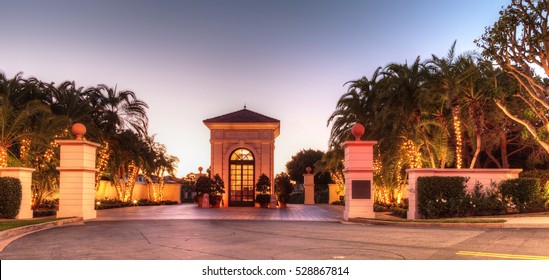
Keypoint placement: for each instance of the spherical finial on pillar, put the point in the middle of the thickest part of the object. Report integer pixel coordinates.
(308, 169)
(357, 131)
(200, 169)
(78, 130)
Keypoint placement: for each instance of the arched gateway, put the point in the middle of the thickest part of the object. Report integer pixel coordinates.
(242, 148)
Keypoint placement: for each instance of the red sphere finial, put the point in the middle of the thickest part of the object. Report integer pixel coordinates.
(308, 169)
(357, 131)
(78, 130)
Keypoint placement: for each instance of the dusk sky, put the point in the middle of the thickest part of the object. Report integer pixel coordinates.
(193, 60)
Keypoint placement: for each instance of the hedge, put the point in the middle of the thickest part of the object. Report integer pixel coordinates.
(442, 196)
(523, 194)
(296, 198)
(10, 197)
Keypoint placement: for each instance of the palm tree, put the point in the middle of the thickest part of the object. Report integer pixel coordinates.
(114, 112)
(127, 158)
(449, 76)
(405, 105)
(19, 126)
(355, 106)
(120, 110)
(157, 163)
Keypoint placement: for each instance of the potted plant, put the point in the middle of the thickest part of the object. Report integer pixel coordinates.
(263, 188)
(283, 189)
(203, 186)
(216, 191)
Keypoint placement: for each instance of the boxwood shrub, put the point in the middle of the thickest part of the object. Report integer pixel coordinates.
(10, 197)
(442, 196)
(523, 194)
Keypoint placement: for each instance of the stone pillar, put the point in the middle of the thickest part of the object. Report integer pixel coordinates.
(359, 176)
(332, 194)
(77, 176)
(25, 176)
(309, 186)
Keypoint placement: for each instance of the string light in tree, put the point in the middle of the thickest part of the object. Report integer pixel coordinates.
(459, 141)
(103, 159)
(414, 157)
(3, 157)
(25, 148)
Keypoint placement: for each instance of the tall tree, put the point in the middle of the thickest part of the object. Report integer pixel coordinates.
(449, 75)
(358, 105)
(519, 43)
(298, 164)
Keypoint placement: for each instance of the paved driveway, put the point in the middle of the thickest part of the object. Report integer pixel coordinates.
(294, 212)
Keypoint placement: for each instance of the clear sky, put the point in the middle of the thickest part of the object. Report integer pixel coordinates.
(193, 60)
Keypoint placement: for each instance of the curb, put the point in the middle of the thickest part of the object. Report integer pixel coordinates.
(429, 224)
(7, 234)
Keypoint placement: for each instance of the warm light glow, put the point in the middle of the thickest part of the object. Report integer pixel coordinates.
(414, 156)
(134, 201)
(3, 157)
(457, 129)
(103, 159)
(25, 148)
(98, 203)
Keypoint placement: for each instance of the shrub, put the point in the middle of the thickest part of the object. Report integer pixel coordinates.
(542, 175)
(263, 199)
(43, 213)
(218, 186)
(523, 194)
(263, 185)
(322, 193)
(441, 196)
(399, 212)
(296, 198)
(283, 187)
(485, 202)
(10, 197)
(203, 185)
(380, 208)
(111, 203)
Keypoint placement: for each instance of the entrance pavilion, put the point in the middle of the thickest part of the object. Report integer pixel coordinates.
(242, 148)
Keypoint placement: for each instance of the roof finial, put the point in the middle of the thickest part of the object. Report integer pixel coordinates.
(244, 105)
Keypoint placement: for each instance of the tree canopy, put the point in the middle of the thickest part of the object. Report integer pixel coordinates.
(34, 113)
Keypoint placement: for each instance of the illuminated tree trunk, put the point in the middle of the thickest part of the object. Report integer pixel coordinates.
(3, 156)
(459, 139)
(103, 159)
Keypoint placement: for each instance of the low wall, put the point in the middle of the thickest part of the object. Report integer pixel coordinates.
(484, 176)
(140, 191)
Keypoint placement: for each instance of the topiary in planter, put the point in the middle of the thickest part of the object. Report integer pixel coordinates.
(283, 188)
(10, 197)
(263, 187)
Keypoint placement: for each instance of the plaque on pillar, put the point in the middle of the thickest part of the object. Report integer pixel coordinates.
(362, 189)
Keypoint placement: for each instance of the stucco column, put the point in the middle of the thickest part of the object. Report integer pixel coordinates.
(309, 185)
(359, 176)
(77, 176)
(25, 176)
